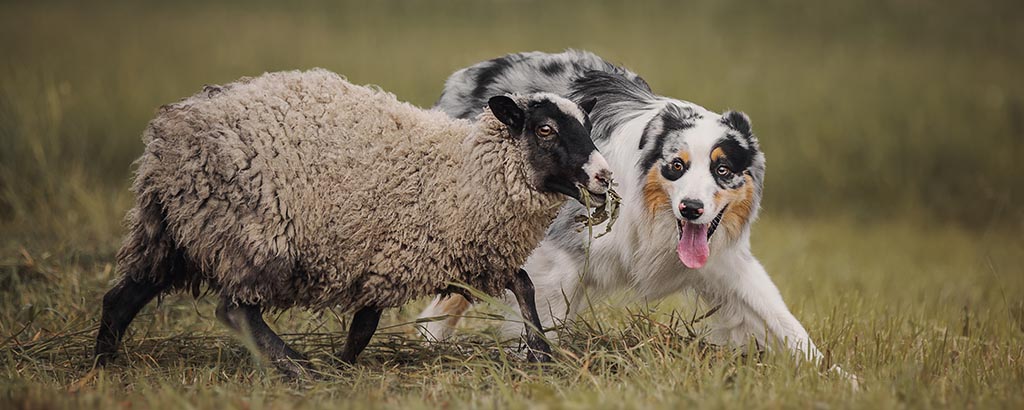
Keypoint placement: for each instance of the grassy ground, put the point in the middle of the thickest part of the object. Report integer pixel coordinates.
(892, 221)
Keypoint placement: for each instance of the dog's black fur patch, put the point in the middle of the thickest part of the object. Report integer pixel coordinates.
(737, 121)
(670, 173)
(671, 119)
(487, 74)
(552, 68)
(619, 100)
(740, 147)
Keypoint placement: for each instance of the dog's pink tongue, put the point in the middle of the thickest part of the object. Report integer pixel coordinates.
(693, 245)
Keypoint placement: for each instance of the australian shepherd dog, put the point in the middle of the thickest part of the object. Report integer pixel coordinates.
(691, 182)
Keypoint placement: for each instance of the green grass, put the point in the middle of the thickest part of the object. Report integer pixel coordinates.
(892, 222)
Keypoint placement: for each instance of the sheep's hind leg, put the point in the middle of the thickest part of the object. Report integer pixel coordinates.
(364, 325)
(247, 321)
(522, 287)
(120, 306)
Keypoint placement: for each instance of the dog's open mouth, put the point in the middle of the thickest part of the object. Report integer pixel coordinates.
(693, 246)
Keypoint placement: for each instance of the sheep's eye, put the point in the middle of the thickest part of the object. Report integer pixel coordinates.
(723, 170)
(545, 130)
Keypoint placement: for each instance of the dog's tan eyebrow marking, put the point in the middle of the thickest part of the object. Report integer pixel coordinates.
(684, 155)
(717, 153)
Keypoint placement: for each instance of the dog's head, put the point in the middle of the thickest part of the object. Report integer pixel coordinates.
(707, 170)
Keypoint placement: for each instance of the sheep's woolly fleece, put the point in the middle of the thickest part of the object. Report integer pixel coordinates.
(301, 189)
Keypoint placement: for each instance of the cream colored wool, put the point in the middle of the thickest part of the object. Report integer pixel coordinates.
(301, 189)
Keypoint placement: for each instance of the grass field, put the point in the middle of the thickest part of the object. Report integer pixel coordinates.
(892, 223)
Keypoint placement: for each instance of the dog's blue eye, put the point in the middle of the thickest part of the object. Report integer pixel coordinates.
(723, 170)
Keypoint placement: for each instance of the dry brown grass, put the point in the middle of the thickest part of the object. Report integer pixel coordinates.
(892, 221)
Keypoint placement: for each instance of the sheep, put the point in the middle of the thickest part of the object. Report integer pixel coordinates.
(300, 189)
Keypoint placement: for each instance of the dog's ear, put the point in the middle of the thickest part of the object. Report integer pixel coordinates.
(508, 112)
(745, 146)
(588, 105)
(737, 121)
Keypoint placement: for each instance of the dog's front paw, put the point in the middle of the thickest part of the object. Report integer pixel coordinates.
(850, 377)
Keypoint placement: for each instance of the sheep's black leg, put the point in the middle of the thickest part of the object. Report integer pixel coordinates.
(522, 287)
(364, 325)
(247, 320)
(120, 305)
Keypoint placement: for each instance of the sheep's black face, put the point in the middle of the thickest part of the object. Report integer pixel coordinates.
(555, 134)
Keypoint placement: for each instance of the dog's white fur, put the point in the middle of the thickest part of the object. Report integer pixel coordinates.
(639, 254)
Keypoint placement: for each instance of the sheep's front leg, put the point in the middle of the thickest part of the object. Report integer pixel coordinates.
(522, 287)
(247, 321)
(364, 325)
(120, 305)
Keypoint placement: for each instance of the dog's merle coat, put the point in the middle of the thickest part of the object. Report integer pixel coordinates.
(582, 76)
(665, 154)
(467, 91)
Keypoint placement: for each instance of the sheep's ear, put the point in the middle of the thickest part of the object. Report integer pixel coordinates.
(588, 105)
(508, 112)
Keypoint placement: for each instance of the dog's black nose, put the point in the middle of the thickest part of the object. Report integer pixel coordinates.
(691, 209)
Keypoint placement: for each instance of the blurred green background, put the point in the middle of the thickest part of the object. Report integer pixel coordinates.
(873, 110)
(892, 222)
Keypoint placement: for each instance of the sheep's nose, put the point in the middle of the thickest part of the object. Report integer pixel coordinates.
(604, 178)
(598, 176)
(691, 209)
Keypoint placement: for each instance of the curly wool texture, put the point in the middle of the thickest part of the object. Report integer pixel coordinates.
(301, 189)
